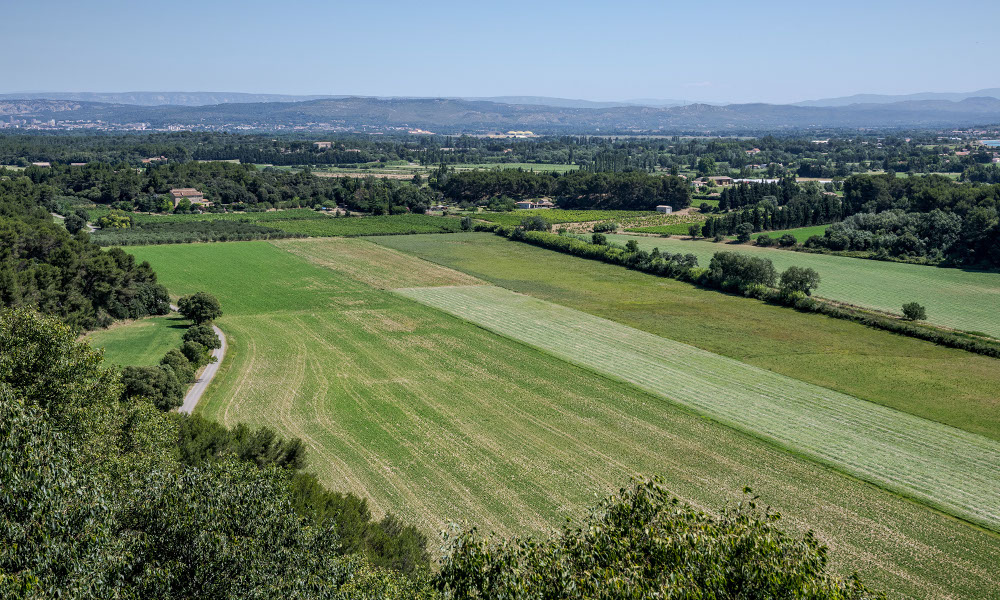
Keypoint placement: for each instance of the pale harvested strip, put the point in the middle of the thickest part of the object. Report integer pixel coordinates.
(957, 298)
(950, 469)
(375, 265)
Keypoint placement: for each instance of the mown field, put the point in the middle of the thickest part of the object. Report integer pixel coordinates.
(556, 216)
(801, 233)
(141, 342)
(965, 300)
(439, 420)
(944, 385)
(947, 468)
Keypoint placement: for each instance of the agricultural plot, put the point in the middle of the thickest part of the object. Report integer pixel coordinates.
(438, 420)
(900, 372)
(801, 233)
(950, 469)
(965, 300)
(556, 216)
(142, 342)
(359, 226)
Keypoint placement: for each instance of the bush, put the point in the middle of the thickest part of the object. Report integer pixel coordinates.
(535, 223)
(914, 312)
(598, 239)
(798, 279)
(694, 229)
(764, 240)
(204, 335)
(606, 227)
(157, 384)
(788, 240)
(182, 367)
(729, 269)
(743, 231)
(466, 223)
(196, 354)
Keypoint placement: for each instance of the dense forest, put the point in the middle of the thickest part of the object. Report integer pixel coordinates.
(42, 265)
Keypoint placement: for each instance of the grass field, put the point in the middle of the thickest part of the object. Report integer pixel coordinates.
(357, 226)
(556, 216)
(142, 342)
(953, 470)
(956, 298)
(438, 420)
(899, 372)
(801, 233)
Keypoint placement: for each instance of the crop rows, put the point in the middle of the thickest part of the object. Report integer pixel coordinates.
(950, 469)
(558, 216)
(358, 226)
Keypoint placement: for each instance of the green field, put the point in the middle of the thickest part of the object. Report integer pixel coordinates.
(556, 216)
(899, 372)
(953, 470)
(801, 233)
(142, 342)
(355, 226)
(675, 229)
(439, 420)
(965, 300)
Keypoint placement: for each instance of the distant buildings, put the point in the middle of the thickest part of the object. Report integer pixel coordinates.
(532, 204)
(192, 195)
(663, 208)
(323, 145)
(721, 180)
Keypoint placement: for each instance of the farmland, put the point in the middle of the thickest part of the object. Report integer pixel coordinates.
(557, 216)
(953, 470)
(357, 226)
(801, 234)
(956, 298)
(438, 420)
(140, 342)
(895, 371)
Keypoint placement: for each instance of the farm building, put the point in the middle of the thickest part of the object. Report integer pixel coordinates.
(322, 145)
(193, 196)
(525, 204)
(663, 208)
(722, 180)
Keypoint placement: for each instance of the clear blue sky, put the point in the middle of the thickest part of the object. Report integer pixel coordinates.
(726, 50)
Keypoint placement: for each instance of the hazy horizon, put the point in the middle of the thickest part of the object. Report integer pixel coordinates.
(450, 49)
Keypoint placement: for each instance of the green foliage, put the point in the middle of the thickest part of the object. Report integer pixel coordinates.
(787, 240)
(535, 223)
(378, 225)
(180, 365)
(466, 223)
(914, 312)
(204, 335)
(694, 230)
(157, 384)
(605, 226)
(799, 279)
(642, 543)
(743, 231)
(598, 239)
(734, 270)
(557, 216)
(116, 219)
(200, 307)
(197, 354)
(182, 232)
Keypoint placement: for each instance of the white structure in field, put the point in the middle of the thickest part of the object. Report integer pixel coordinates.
(663, 208)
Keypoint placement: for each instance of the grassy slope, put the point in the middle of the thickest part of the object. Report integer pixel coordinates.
(940, 384)
(964, 300)
(801, 233)
(951, 469)
(139, 343)
(439, 420)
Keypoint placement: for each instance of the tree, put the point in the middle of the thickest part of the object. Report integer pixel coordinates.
(694, 229)
(914, 312)
(798, 279)
(74, 223)
(180, 364)
(598, 239)
(652, 546)
(706, 166)
(200, 307)
(632, 246)
(535, 223)
(743, 231)
(787, 240)
(764, 240)
(204, 335)
(466, 223)
(196, 354)
(157, 384)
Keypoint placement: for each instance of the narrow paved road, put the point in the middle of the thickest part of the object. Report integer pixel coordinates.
(201, 384)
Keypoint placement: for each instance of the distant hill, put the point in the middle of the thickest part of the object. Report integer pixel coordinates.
(888, 99)
(161, 98)
(442, 115)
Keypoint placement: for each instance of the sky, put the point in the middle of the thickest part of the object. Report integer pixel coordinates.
(718, 51)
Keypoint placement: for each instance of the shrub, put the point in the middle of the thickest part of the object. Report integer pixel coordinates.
(157, 384)
(606, 227)
(196, 354)
(204, 335)
(535, 223)
(729, 269)
(632, 246)
(914, 312)
(181, 366)
(788, 240)
(598, 239)
(466, 223)
(743, 231)
(694, 229)
(798, 279)
(764, 240)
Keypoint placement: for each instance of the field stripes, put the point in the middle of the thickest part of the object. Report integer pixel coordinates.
(948, 468)
(956, 298)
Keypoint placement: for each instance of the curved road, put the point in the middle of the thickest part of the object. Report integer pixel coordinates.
(201, 384)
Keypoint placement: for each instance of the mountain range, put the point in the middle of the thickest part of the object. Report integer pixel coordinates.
(456, 115)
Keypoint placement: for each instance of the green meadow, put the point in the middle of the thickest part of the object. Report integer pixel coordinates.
(141, 342)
